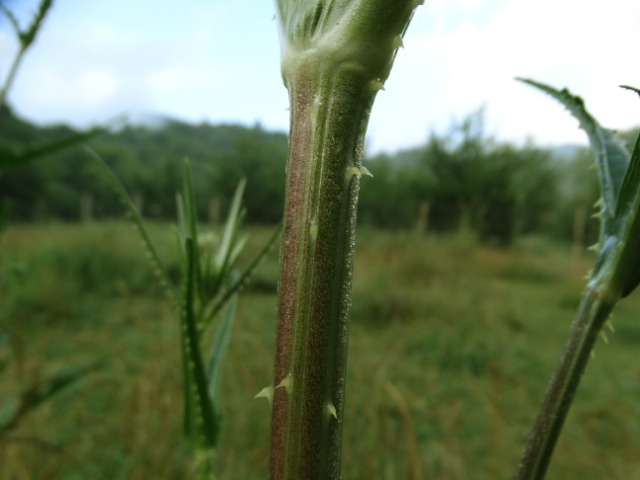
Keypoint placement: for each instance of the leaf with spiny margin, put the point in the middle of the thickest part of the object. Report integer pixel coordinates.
(215, 306)
(201, 422)
(128, 204)
(611, 154)
(217, 270)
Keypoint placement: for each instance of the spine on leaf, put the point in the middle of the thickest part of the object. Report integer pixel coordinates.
(335, 57)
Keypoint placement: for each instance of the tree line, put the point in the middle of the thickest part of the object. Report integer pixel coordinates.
(461, 179)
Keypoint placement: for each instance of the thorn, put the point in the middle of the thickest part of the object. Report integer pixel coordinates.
(593, 354)
(365, 171)
(597, 215)
(398, 42)
(604, 336)
(350, 172)
(609, 325)
(376, 85)
(594, 248)
(357, 172)
(266, 392)
(287, 382)
(598, 203)
(332, 410)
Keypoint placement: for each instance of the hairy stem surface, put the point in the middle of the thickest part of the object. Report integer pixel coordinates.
(335, 56)
(319, 237)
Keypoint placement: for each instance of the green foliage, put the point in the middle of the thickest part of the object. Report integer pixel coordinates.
(469, 181)
(13, 152)
(614, 275)
(618, 263)
(147, 162)
(504, 180)
(25, 37)
(28, 35)
(208, 285)
(12, 411)
(123, 421)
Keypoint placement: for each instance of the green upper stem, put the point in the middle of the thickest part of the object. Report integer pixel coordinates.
(335, 57)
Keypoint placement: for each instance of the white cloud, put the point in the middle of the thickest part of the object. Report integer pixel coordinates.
(212, 61)
(452, 68)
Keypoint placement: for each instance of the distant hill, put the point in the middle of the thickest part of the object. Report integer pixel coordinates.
(148, 160)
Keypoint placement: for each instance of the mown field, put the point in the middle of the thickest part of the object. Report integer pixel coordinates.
(451, 348)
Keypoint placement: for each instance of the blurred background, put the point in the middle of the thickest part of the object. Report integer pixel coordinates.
(471, 246)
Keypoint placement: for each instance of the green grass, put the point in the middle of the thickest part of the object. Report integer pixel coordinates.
(450, 352)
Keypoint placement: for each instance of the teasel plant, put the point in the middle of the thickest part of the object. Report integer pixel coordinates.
(205, 300)
(615, 275)
(336, 56)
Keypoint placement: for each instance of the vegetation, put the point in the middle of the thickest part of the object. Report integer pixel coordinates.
(435, 387)
(615, 274)
(67, 186)
(336, 57)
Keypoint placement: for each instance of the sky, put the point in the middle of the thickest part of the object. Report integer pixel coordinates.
(218, 61)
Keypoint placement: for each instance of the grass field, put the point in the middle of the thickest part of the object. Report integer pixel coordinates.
(451, 348)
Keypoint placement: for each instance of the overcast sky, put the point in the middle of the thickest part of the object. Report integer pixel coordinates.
(218, 61)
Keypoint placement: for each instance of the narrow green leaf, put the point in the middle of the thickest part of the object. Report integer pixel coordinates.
(627, 273)
(201, 410)
(631, 179)
(214, 307)
(13, 157)
(128, 204)
(12, 19)
(231, 228)
(27, 37)
(219, 348)
(611, 155)
(191, 221)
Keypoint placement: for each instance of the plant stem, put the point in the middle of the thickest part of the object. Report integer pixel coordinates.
(327, 136)
(336, 54)
(11, 75)
(593, 311)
